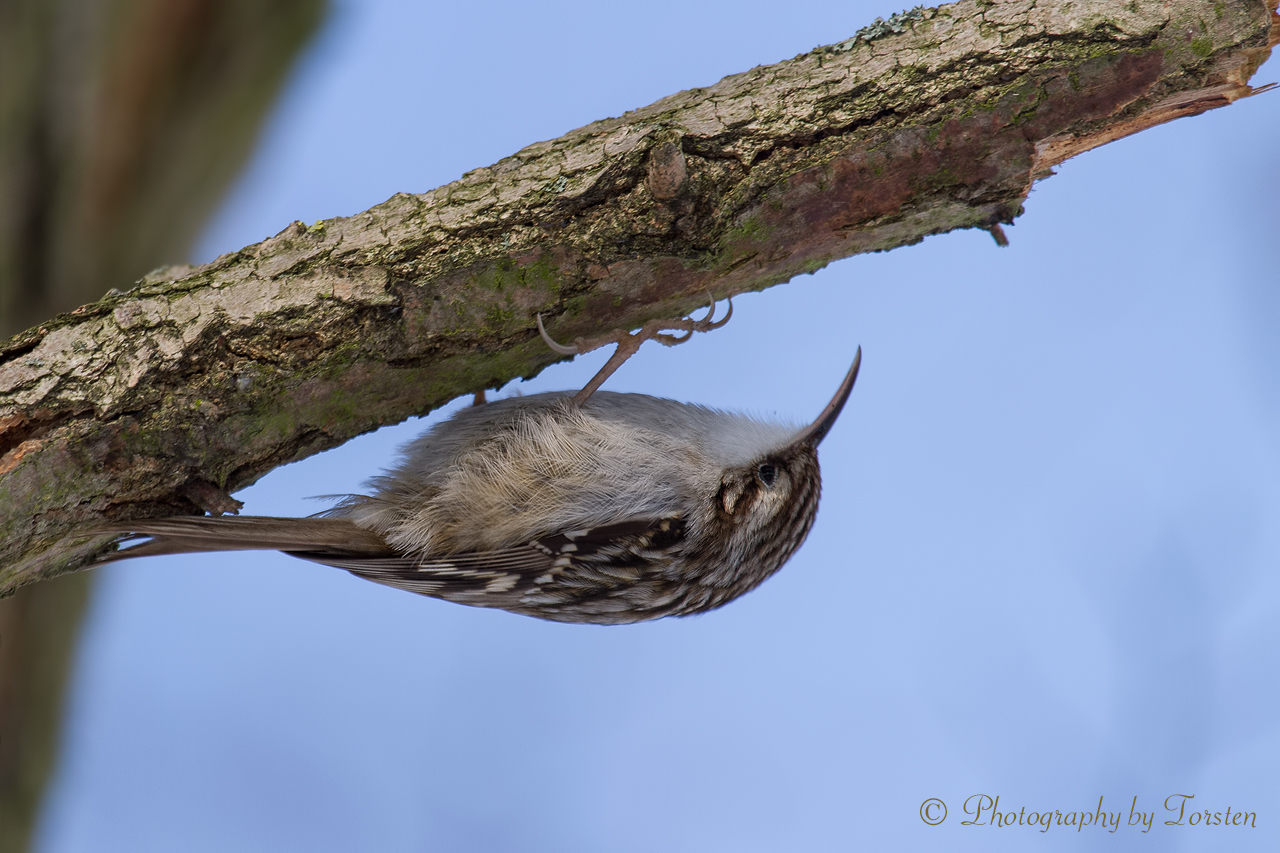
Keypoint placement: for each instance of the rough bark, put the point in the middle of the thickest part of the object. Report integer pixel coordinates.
(193, 384)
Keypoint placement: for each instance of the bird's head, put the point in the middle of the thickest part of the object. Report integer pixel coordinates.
(765, 507)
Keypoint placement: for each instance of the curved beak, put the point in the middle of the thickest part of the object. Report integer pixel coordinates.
(816, 431)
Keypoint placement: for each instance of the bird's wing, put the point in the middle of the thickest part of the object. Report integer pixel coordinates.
(576, 564)
(541, 576)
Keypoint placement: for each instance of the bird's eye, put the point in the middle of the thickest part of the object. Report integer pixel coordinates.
(767, 474)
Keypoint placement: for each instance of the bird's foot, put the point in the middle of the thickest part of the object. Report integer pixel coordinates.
(629, 342)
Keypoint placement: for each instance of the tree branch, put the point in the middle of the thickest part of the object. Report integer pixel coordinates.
(163, 400)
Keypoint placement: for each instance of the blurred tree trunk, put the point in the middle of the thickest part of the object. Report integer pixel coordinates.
(122, 124)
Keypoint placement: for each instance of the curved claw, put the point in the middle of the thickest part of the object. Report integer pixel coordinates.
(555, 347)
(718, 323)
(711, 310)
(672, 340)
(706, 324)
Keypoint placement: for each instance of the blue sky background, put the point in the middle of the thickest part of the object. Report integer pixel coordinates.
(1045, 566)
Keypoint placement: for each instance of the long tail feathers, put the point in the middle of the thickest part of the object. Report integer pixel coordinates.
(336, 536)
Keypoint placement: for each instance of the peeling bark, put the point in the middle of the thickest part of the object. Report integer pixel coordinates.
(162, 400)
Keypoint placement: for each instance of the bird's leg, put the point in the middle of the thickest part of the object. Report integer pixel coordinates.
(629, 342)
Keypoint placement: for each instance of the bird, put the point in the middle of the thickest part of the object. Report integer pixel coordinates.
(603, 508)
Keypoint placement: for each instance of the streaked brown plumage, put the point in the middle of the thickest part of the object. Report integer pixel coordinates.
(618, 509)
